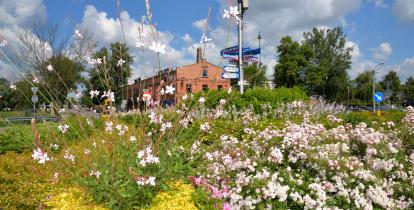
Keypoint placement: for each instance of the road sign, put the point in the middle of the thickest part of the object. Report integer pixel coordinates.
(230, 75)
(231, 69)
(35, 99)
(246, 58)
(233, 50)
(146, 96)
(252, 52)
(378, 97)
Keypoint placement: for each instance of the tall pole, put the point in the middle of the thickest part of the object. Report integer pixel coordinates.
(241, 46)
(373, 86)
(259, 37)
(348, 98)
(373, 91)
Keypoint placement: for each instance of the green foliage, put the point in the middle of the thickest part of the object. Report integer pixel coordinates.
(255, 97)
(255, 77)
(367, 117)
(5, 94)
(109, 75)
(16, 138)
(293, 60)
(363, 87)
(392, 83)
(408, 90)
(320, 63)
(333, 58)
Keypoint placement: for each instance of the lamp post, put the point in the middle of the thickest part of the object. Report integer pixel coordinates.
(35, 99)
(243, 6)
(259, 37)
(373, 85)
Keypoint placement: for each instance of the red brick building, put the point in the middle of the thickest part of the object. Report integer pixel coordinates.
(193, 78)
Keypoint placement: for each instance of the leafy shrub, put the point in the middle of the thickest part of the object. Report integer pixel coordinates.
(255, 97)
(367, 117)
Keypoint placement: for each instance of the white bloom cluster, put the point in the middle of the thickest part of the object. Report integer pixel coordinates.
(146, 157)
(63, 128)
(109, 127)
(154, 118)
(121, 129)
(109, 95)
(94, 93)
(133, 139)
(276, 155)
(202, 100)
(94, 61)
(97, 174)
(274, 189)
(77, 34)
(54, 146)
(40, 156)
(50, 67)
(165, 126)
(205, 127)
(142, 181)
(69, 156)
(409, 119)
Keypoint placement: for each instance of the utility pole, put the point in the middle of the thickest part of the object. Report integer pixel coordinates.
(348, 98)
(259, 37)
(243, 6)
(373, 86)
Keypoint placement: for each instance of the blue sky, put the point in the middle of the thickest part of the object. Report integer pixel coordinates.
(379, 30)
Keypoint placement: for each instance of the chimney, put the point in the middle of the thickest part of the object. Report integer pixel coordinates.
(199, 55)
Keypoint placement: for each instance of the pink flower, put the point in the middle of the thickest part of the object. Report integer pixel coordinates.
(226, 206)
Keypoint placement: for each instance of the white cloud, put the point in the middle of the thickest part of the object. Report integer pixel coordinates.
(19, 12)
(187, 39)
(107, 30)
(379, 3)
(359, 67)
(405, 69)
(356, 53)
(383, 51)
(276, 19)
(404, 10)
(13, 16)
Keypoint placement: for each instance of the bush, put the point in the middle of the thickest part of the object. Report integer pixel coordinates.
(255, 97)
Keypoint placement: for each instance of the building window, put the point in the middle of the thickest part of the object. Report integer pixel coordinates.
(189, 88)
(220, 87)
(205, 73)
(205, 87)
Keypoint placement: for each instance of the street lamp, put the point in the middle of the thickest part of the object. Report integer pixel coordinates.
(259, 37)
(243, 6)
(373, 85)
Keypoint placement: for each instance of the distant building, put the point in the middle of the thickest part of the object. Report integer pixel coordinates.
(193, 78)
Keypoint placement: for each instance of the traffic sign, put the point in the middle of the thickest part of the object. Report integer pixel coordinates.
(231, 69)
(146, 96)
(233, 50)
(35, 99)
(378, 97)
(230, 75)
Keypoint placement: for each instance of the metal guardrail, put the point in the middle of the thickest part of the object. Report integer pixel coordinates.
(19, 119)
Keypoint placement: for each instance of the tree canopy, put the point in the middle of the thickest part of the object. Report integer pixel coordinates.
(320, 63)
